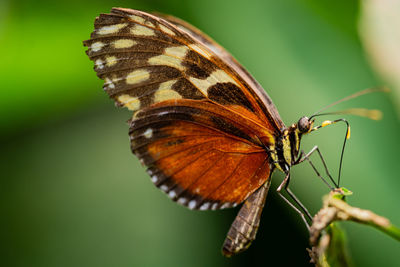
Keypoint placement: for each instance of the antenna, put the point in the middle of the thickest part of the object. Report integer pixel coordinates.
(373, 114)
(357, 94)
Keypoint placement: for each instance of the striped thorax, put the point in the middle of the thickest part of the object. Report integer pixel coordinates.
(284, 153)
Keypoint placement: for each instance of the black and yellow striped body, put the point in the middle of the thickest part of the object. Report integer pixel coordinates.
(286, 148)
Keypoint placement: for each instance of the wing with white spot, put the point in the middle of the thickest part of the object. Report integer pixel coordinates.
(260, 95)
(194, 110)
(137, 54)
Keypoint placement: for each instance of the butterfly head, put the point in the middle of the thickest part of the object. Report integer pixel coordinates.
(304, 125)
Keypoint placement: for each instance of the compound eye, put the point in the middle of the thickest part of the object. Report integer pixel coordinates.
(304, 124)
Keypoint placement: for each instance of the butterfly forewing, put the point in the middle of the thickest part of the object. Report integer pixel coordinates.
(259, 94)
(200, 122)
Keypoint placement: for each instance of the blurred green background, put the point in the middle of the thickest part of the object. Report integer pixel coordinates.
(71, 192)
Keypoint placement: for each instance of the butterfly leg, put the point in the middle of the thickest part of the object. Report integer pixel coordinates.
(347, 136)
(284, 185)
(304, 157)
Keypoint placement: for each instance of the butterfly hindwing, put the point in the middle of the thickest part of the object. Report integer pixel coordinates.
(197, 156)
(200, 122)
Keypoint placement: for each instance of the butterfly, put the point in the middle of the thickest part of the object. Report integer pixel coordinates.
(206, 130)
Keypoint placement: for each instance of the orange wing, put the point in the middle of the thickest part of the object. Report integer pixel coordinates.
(199, 156)
(201, 124)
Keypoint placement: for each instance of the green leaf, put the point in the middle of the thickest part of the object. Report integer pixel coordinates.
(336, 253)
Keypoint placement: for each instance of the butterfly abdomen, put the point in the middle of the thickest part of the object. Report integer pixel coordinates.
(244, 228)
